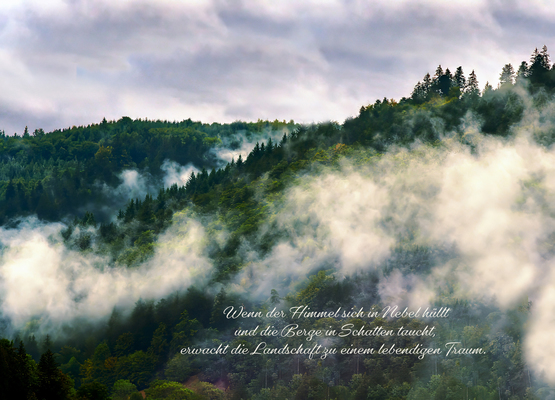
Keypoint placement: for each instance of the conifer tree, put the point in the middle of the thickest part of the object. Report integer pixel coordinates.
(507, 75)
(418, 93)
(535, 56)
(472, 86)
(539, 66)
(438, 74)
(53, 384)
(522, 72)
(459, 78)
(427, 84)
(487, 88)
(23, 371)
(445, 82)
(545, 60)
(422, 89)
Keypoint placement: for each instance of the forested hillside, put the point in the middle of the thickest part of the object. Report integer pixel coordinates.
(113, 261)
(62, 172)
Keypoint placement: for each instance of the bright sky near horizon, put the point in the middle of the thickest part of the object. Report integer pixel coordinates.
(74, 62)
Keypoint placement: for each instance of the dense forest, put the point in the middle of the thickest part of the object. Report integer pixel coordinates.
(275, 215)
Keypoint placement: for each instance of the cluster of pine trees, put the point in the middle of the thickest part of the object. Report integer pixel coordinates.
(536, 75)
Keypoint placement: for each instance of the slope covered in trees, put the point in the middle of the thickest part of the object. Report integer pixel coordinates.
(253, 210)
(59, 173)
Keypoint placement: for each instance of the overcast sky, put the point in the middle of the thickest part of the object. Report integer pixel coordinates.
(74, 62)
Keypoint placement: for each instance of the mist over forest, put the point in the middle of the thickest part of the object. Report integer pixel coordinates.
(123, 242)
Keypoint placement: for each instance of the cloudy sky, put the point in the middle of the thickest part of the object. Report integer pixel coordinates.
(74, 62)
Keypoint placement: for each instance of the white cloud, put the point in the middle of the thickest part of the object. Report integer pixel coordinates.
(40, 279)
(177, 174)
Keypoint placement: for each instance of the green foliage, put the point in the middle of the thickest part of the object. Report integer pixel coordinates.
(123, 389)
(179, 368)
(15, 374)
(137, 367)
(124, 344)
(52, 383)
(208, 391)
(72, 368)
(169, 390)
(184, 331)
(57, 173)
(92, 391)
